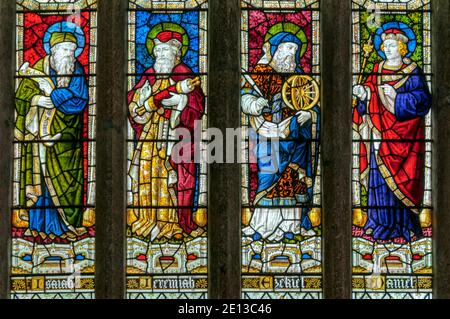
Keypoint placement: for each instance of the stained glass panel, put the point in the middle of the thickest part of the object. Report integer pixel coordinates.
(392, 145)
(281, 218)
(53, 215)
(167, 189)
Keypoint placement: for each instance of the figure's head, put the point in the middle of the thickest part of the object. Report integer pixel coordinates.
(62, 55)
(285, 51)
(395, 44)
(167, 51)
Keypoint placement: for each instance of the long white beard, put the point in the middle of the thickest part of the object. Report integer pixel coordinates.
(164, 65)
(284, 63)
(63, 65)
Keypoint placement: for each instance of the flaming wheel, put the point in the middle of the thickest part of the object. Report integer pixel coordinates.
(301, 92)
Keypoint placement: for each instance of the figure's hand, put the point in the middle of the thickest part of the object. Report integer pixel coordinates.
(146, 92)
(45, 102)
(45, 86)
(175, 100)
(389, 91)
(360, 92)
(303, 117)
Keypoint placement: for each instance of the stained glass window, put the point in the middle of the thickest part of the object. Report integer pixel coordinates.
(392, 144)
(281, 217)
(53, 216)
(167, 198)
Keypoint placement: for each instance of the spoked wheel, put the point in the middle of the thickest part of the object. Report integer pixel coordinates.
(301, 92)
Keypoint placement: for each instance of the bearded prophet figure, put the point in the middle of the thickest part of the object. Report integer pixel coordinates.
(285, 175)
(159, 105)
(392, 105)
(51, 168)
